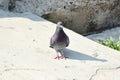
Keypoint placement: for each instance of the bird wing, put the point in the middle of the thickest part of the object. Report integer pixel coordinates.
(67, 41)
(52, 42)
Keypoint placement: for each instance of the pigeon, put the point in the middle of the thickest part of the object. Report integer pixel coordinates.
(59, 41)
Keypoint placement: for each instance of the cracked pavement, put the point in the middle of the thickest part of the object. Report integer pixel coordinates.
(106, 72)
(97, 73)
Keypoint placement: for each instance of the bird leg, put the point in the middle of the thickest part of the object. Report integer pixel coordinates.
(57, 57)
(63, 56)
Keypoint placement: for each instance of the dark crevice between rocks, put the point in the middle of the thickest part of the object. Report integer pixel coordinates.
(11, 5)
(96, 31)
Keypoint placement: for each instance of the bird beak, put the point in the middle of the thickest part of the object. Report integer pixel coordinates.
(61, 26)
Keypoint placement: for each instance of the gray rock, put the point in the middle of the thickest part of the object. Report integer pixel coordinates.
(82, 16)
(4, 4)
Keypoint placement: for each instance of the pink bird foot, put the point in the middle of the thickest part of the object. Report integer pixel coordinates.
(57, 57)
(64, 57)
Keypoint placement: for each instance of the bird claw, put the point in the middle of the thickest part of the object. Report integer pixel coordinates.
(61, 57)
(57, 57)
(64, 57)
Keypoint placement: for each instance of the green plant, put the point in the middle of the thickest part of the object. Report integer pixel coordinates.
(111, 43)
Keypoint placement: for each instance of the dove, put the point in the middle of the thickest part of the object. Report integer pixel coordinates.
(59, 41)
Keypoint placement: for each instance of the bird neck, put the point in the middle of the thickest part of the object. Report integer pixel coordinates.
(59, 28)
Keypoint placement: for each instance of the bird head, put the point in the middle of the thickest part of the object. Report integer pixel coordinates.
(60, 24)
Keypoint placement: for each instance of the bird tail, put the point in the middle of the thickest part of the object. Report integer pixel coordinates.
(51, 46)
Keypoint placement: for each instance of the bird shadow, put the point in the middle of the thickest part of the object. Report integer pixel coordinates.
(80, 56)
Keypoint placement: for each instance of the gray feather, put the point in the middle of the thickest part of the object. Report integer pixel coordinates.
(59, 40)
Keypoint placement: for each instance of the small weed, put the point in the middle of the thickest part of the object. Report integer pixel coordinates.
(110, 43)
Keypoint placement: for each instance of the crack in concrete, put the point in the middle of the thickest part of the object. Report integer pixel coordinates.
(33, 69)
(99, 69)
(28, 69)
(118, 67)
(17, 69)
(94, 74)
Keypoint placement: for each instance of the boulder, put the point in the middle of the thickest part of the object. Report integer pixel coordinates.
(82, 16)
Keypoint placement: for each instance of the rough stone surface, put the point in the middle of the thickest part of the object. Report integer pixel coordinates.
(25, 52)
(81, 16)
(4, 4)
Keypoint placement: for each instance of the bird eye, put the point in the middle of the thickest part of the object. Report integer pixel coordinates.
(59, 23)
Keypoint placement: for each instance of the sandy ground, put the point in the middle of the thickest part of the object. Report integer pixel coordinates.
(25, 52)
